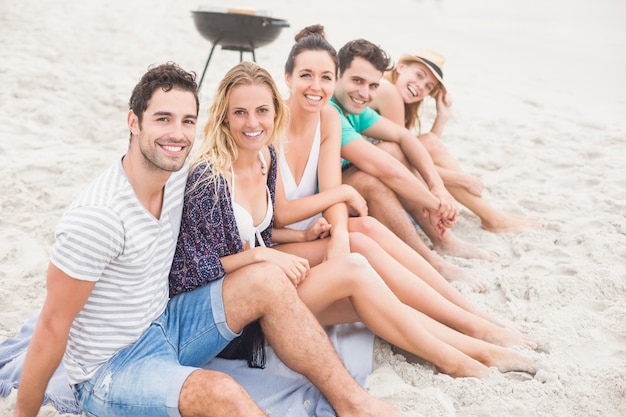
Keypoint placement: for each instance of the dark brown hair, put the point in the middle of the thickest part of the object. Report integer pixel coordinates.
(365, 49)
(311, 38)
(166, 77)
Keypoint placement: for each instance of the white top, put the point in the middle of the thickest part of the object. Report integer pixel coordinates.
(308, 183)
(248, 232)
(107, 236)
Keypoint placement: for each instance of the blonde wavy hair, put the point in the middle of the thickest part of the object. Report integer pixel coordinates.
(218, 149)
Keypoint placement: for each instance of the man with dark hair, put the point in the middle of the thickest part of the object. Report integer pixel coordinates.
(127, 348)
(395, 175)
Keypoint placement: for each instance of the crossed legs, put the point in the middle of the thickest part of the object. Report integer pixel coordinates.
(467, 189)
(383, 204)
(347, 289)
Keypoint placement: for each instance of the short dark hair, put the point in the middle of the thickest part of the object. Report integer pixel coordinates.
(166, 77)
(365, 49)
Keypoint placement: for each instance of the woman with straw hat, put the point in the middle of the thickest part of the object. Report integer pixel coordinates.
(400, 97)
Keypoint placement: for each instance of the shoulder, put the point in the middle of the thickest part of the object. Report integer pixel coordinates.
(387, 94)
(330, 120)
(367, 118)
(330, 113)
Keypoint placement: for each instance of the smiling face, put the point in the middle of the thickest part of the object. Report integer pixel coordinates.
(357, 86)
(415, 81)
(250, 116)
(167, 131)
(312, 81)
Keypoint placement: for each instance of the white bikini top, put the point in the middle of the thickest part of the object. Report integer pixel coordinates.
(248, 232)
(308, 183)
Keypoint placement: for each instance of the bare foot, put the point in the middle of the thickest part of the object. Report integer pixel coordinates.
(453, 246)
(512, 361)
(468, 368)
(509, 223)
(453, 273)
(502, 336)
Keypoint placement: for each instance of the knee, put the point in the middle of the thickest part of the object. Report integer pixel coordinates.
(267, 280)
(366, 225)
(364, 183)
(207, 388)
(431, 142)
(360, 269)
(357, 261)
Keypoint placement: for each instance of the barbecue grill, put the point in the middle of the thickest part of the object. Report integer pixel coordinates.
(236, 30)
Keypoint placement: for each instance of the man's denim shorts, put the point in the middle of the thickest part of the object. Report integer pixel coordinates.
(145, 379)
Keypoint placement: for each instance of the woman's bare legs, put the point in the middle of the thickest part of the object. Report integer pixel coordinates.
(449, 243)
(383, 205)
(411, 260)
(414, 292)
(468, 192)
(332, 283)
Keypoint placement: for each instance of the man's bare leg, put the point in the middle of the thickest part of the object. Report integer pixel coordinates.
(199, 397)
(383, 204)
(448, 244)
(263, 291)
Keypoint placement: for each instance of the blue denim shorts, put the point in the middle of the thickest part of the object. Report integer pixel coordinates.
(145, 379)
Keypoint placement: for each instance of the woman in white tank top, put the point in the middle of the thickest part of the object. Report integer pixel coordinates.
(310, 75)
(344, 288)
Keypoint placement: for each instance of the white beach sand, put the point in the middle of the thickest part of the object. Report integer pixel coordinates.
(539, 115)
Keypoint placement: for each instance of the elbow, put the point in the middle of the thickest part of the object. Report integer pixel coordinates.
(390, 172)
(279, 220)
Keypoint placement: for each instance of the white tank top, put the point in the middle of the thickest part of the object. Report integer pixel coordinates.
(248, 232)
(308, 183)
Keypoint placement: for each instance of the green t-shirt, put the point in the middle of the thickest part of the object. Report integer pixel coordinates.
(353, 124)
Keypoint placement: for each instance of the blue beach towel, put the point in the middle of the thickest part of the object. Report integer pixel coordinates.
(278, 390)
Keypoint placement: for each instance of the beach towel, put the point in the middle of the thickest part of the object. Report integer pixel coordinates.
(277, 390)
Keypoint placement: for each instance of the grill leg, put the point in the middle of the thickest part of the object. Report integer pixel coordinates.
(206, 65)
(241, 55)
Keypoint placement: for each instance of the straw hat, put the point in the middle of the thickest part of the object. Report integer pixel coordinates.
(432, 59)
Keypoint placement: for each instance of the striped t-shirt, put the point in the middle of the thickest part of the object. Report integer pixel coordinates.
(109, 237)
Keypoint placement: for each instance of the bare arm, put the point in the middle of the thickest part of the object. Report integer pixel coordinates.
(329, 177)
(332, 193)
(379, 164)
(388, 103)
(419, 158)
(65, 298)
(295, 268)
(291, 211)
(414, 150)
(319, 230)
(444, 108)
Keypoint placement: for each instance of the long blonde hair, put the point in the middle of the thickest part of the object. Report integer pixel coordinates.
(218, 149)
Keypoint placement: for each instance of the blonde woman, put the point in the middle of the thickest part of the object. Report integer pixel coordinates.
(400, 97)
(227, 222)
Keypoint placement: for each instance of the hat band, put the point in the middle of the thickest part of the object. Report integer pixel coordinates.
(433, 66)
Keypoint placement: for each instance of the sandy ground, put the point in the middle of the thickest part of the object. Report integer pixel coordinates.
(539, 116)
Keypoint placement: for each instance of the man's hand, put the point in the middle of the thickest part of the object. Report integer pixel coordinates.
(357, 205)
(448, 208)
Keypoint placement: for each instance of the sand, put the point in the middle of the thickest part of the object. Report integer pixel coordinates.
(538, 115)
